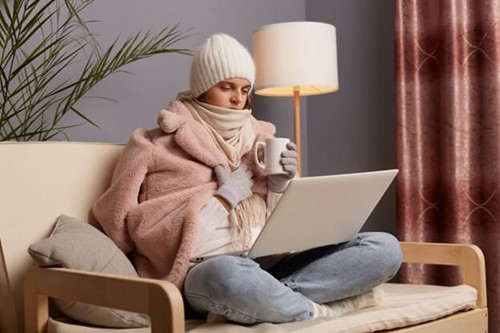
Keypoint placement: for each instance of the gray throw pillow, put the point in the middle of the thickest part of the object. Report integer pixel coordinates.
(78, 245)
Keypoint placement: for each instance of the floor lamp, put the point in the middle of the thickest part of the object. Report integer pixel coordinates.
(295, 59)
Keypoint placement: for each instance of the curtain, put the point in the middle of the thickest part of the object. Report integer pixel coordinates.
(447, 56)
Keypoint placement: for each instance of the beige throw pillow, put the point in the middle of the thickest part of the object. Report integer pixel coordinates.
(78, 245)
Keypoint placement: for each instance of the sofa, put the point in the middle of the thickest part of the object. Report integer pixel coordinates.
(51, 253)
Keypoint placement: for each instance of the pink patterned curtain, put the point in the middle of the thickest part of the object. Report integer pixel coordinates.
(448, 139)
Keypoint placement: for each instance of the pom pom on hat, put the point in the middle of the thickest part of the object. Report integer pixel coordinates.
(219, 58)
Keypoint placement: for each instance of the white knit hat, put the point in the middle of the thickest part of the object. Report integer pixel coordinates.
(221, 57)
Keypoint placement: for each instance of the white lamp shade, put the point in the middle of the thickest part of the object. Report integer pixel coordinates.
(295, 55)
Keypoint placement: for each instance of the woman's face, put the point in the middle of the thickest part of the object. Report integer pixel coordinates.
(229, 94)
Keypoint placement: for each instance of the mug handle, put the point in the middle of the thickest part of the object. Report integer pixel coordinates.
(256, 156)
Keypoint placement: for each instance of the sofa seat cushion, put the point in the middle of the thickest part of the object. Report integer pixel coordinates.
(404, 305)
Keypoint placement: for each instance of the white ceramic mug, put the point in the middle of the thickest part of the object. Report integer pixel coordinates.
(271, 149)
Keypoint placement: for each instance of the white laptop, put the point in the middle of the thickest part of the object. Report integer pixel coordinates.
(322, 210)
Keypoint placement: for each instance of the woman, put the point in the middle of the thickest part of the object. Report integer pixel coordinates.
(191, 189)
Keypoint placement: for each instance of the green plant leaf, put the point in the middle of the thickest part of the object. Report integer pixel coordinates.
(41, 42)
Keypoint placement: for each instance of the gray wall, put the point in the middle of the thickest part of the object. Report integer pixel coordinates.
(354, 129)
(155, 81)
(347, 131)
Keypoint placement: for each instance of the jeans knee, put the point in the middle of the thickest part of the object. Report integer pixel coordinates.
(223, 285)
(218, 276)
(388, 251)
(393, 254)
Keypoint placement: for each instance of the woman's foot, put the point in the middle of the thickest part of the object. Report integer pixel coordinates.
(343, 306)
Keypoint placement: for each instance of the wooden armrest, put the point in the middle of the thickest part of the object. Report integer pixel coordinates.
(161, 300)
(468, 257)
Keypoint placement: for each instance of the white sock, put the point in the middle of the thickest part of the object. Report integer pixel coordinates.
(343, 306)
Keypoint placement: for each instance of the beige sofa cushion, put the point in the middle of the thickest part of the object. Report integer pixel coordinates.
(404, 305)
(78, 245)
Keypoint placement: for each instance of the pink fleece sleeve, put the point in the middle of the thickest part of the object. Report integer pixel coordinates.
(112, 208)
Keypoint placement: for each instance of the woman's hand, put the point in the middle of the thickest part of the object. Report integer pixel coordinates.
(278, 183)
(234, 186)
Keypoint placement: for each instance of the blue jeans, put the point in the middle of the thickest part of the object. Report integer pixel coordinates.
(242, 291)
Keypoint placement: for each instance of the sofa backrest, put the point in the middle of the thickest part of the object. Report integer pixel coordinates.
(38, 182)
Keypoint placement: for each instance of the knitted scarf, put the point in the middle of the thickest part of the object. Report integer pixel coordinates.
(233, 134)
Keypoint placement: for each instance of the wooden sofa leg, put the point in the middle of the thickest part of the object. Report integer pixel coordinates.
(36, 307)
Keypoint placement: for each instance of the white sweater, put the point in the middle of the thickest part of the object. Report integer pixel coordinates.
(215, 229)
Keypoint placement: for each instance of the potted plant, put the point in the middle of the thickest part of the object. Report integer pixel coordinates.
(40, 40)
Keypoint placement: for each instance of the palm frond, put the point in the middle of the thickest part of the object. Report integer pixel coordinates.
(41, 42)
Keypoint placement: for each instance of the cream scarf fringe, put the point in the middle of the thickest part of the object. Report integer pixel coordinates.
(234, 136)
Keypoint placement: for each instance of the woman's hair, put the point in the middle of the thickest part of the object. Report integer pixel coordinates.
(248, 104)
